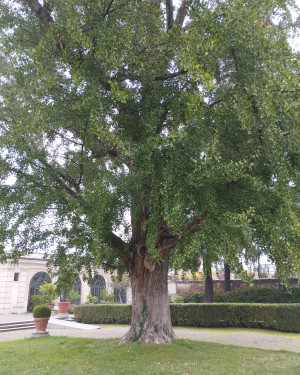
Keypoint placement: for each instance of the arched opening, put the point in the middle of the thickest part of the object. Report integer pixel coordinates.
(98, 286)
(34, 287)
(120, 295)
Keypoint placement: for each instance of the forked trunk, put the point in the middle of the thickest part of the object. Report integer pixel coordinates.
(151, 320)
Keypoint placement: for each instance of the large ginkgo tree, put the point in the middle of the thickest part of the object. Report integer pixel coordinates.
(135, 134)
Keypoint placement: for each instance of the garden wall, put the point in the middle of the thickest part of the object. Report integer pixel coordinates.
(196, 286)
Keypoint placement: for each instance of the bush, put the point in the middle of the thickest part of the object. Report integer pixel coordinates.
(73, 296)
(48, 290)
(103, 314)
(247, 295)
(280, 317)
(36, 300)
(107, 297)
(178, 298)
(41, 311)
(91, 299)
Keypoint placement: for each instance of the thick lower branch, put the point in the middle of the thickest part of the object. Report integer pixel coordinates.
(192, 228)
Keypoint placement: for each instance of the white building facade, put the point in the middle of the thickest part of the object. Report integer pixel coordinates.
(19, 281)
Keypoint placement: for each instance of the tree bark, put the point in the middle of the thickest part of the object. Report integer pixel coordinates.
(227, 286)
(209, 290)
(151, 319)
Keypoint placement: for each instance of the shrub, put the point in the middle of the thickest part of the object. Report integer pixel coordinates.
(280, 317)
(48, 290)
(178, 298)
(73, 296)
(104, 314)
(71, 309)
(247, 295)
(196, 297)
(41, 311)
(91, 299)
(35, 300)
(107, 297)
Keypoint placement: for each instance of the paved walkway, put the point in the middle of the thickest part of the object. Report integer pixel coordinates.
(241, 337)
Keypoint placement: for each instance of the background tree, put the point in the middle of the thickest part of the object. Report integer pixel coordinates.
(133, 130)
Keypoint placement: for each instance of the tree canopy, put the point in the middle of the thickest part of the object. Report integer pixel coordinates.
(148, 130)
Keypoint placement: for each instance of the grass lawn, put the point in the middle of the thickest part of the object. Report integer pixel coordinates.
(57, 355)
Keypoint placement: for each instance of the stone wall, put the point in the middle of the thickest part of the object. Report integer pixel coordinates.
(196, 286)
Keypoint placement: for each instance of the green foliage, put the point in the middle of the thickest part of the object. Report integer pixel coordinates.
(247, 295)
(36, 300)
(102, 115)
(280, 317)
(41, 311)
(178, 298)
(49, 292)
(104, 314)
(107, 297)
(91, 299)
(73, 296)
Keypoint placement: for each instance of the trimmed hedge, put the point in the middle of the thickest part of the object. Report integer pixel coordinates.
(280, 317)
(247, 295)
(103, 314)
(41, 311)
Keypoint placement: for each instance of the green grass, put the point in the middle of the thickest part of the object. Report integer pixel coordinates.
(57, 355)
(235, 330)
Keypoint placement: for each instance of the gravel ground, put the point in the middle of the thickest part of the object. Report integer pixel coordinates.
(239, 337)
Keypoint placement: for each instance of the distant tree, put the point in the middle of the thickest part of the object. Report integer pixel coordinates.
(132, 131)
(227, 286)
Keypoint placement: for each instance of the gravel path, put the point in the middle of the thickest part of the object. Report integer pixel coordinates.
(239, 337)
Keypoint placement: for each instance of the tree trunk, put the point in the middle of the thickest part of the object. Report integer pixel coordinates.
(227, 286)
(151, 319)
(209, 290)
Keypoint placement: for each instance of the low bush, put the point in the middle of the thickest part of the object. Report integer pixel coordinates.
(280, 317)
(103, 314)
(41, 311)
(36, 300)
(246, 295)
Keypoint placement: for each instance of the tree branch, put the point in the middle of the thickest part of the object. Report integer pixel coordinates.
(108, 8)
(119, 246)
(40, 11)
(171, 75)
(44, 16)
(170, 9)
(155, 3)
(193, 227)
(182, 13)
(212, 104)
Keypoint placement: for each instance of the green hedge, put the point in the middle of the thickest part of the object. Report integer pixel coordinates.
(103, 313)
(247, 295)
(280, 317)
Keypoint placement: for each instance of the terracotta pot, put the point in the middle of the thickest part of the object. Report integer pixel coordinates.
(51, 305)
(63, 307)
(41, 324)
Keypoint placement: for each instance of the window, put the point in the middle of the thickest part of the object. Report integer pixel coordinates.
(16, 276)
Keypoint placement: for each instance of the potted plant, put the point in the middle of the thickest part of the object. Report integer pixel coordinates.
(72, 298)
(41, 315)
(49, 293)
(90, 299)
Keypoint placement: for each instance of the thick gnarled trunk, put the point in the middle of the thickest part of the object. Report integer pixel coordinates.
(151, 320)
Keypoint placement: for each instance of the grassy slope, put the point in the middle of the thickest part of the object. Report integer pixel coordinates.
(50, 355)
